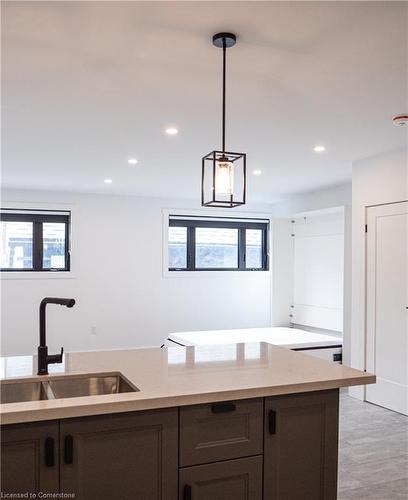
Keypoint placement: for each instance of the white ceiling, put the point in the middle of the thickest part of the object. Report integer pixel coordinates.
(85, 85)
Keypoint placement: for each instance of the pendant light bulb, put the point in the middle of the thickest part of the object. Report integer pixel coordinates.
(224, 177)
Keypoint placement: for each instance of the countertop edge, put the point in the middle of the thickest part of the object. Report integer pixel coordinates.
(84, 408)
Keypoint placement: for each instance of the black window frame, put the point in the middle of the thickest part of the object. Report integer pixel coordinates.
(37, 218)
(240, 224)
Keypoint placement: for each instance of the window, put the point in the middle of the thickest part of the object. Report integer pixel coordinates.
(217, 244)
(34, 240)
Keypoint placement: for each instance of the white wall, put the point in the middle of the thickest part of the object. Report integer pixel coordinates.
(322, 199)
(282, 286)
(282, 271)
(378, 180)
(119, 285)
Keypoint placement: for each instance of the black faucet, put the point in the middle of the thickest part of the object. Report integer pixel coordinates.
(44, 359)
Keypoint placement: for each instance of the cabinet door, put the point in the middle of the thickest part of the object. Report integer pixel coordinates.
(125, 456)
(239, 479)
(300, 454)
(29, 458)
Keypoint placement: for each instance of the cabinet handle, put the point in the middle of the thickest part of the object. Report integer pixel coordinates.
(68, 449)
(223, 407)
(49, 452)
(272, 422)
(187, 494)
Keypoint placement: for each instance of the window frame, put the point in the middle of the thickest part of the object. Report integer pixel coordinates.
(192, 222)
(37, 218)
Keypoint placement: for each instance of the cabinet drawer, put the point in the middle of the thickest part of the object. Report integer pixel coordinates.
(239, 479)
(220, 431)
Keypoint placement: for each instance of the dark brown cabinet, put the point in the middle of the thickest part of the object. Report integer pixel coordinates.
(124, 456)
(300, 446)
(128, 456)
(29, 458)
(277, 448)
(239, 479)
(220, 431)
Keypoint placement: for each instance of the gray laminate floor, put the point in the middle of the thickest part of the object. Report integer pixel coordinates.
(373, 456)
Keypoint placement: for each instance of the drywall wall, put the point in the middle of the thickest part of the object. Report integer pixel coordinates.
(378, 180)
(311, 201)
(123, 297)
(282, 270)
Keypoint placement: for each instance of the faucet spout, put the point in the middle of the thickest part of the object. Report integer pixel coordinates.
(44, 359)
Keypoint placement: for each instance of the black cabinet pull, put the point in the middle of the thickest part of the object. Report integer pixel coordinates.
(68, 449)
(272, 422)
(49, 452)
(223, 407)
(187, 493)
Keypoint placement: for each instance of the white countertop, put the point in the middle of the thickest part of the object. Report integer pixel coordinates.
(179, 376)
(292, 338)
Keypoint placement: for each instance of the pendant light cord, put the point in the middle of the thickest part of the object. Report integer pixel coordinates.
(224, 60)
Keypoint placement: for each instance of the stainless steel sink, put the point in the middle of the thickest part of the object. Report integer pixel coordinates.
(16, 392)
(64, 387)
(90, 385)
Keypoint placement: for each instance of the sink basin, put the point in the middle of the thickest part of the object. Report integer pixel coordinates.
(90, 385)
(15, 392)
(64, 387)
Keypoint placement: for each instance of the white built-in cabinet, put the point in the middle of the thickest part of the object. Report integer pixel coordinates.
(318, 257)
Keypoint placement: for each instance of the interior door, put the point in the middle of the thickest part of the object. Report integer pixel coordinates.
(387, 302)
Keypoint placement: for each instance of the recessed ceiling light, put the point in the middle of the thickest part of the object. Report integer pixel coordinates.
(171, 131)
(319, 149)
(257, 172)
(108, 181)
(132, 161)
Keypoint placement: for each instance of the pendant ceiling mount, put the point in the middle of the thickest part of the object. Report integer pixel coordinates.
(229, 38)
(223, 182)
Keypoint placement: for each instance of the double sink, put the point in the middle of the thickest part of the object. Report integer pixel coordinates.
(17, 391)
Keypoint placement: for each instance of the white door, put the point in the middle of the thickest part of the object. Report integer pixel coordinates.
(387, 302)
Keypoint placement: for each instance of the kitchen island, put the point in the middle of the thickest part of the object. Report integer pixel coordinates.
(239, 421)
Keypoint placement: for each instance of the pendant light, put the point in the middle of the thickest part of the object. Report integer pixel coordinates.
(223, 182)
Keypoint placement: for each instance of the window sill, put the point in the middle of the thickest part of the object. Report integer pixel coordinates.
(213, 274)
(42, 275)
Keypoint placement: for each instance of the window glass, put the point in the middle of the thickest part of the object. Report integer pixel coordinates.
(225, 244)
(177, 247)
(54, 245)
(34, 241)
(216, 247)
(253, 248)
(16, 245)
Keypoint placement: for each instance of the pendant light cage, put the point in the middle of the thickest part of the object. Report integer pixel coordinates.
(211, 193)
(223, 182)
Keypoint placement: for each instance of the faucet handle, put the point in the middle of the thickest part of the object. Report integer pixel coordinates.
(55, 358)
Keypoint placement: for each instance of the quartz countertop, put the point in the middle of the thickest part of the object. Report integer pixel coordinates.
(178, 376)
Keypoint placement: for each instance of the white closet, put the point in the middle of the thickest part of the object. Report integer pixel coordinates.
(319, 270)
(387, 302)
